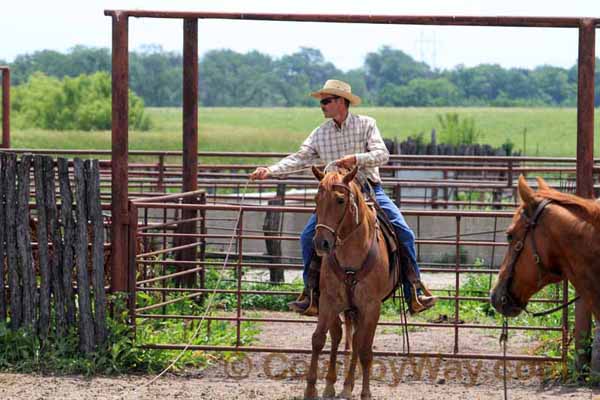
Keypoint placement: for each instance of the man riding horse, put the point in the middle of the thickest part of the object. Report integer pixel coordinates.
(347, 140)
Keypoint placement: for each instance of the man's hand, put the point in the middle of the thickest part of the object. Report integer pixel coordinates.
(260, 173)
(346, 162)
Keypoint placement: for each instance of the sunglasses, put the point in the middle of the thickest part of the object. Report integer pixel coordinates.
(328, 100)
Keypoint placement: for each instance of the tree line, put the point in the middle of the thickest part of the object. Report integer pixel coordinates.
(388, 77)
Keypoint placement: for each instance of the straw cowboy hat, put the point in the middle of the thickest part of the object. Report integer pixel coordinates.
(337, 88)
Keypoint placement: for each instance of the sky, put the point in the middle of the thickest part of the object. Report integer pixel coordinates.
(27, 26)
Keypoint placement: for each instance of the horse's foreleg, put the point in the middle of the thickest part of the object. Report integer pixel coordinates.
(365, 353)
(318, 341)
(350, 368)
(336, 337)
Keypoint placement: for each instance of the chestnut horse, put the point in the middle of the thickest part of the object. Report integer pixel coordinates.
(553, 236)
(354, 279)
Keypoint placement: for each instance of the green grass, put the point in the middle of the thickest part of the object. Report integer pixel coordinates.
(550, 131)
(22, 351)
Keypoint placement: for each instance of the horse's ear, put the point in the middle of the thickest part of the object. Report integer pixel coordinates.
(350, 175)
(317, 173)
(542, 185)
(526, 193)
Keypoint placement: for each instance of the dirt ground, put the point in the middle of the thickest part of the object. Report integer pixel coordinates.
(280, 376)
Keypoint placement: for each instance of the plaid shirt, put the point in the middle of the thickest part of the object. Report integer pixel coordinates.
(358, 135)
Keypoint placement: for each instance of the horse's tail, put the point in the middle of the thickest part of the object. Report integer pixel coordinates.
(348, 331)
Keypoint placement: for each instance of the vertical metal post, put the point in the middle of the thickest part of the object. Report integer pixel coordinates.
(565, 328)
(132, 264)
(240, 255)
(585, 162)
(190, 136)
(457, 285)
(190, 105)
(160, 184)
(509, 177)
(203, 231)
(5, 107)
(120, 145)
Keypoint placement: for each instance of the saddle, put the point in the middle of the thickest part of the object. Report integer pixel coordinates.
(397, 254)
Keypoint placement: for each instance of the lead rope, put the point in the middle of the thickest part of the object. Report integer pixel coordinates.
(503, 340)
(300, 170)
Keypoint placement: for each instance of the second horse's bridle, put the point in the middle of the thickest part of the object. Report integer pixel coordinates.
(530, 224)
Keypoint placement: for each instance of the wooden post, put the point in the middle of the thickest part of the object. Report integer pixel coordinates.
(92, 175)
(68, 224)
(42, 239)
(86, 325)
(272, 227)
(57, 246)
(23, 239)
(10, 178)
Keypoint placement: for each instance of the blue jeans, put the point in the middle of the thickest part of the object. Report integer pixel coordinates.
(403, 232)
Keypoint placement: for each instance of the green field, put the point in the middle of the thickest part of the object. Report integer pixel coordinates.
(550, 131)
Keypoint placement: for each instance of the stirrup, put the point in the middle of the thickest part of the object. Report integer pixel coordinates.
(420, 285)
(312, 309)
(414, 305)
(313, 306)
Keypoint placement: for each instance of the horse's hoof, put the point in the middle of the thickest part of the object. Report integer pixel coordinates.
(329, 392)
(311, 393)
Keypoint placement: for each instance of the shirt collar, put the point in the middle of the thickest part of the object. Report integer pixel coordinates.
(347, 121)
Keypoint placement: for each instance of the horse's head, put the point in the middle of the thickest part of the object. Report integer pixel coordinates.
(338, 201)
(527, 266)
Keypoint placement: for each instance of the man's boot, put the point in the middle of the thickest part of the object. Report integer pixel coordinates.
(421, 298)
(308, 301)
(420, 302)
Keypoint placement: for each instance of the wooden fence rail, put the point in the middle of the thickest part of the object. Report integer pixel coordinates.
(58, 284)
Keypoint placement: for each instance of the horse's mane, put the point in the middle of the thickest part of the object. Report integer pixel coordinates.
(588, 209)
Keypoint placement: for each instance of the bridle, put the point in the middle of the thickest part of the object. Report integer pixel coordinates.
(530, 224)
(351, 202)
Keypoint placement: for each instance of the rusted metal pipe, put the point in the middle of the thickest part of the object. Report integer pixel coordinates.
(190, 138)
(252, 349)
(190, 105)
(5, 107)
(514, 21)
(585, 164)
(120, 146)
(313, 321)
